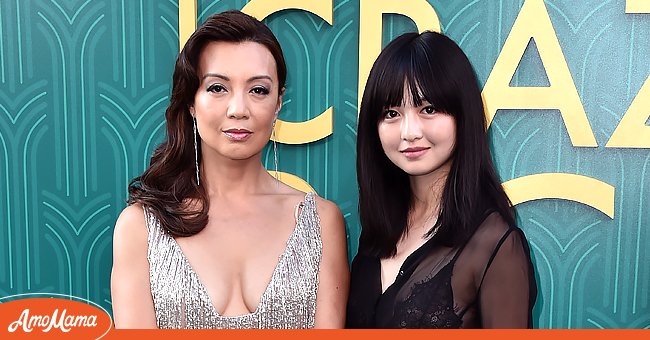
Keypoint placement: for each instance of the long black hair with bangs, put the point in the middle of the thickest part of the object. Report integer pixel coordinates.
(434, 68)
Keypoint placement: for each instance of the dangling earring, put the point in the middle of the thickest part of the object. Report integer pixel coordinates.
(196, 154)
(275, 152)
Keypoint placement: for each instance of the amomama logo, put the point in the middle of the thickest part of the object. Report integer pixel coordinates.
(53, 315)
(46, 322)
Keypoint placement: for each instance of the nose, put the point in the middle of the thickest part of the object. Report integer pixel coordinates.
(411, 129)
(237, 107)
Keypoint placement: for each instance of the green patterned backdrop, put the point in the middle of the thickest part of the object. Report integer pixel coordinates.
(84, 84)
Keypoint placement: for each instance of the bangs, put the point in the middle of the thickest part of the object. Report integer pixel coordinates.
(413, 66)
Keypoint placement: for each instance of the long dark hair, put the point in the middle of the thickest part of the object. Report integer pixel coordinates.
(168, 187)
(436, 69)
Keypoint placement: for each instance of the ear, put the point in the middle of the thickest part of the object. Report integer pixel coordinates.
(191, 109)
(278, 106)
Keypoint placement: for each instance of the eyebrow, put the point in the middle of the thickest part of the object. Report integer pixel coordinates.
(221, 76)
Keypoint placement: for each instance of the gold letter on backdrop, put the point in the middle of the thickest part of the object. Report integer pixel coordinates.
(637, 6)
(370, 30)
(534, 22)
(578, 188)
(322, 125)
(632, 132)
(186, 20)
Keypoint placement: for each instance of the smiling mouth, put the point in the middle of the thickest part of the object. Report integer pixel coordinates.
(237, 135)
(414, 152)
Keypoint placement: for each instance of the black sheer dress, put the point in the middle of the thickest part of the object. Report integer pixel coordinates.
(487, 282)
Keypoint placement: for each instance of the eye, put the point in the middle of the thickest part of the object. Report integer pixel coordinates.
(260, 90)
(216, 88)
(429, 110)
(390, 114)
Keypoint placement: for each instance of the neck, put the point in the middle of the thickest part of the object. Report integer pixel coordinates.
(228, 178)
(427, 191)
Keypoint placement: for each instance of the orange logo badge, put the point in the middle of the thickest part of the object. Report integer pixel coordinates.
(53, 316)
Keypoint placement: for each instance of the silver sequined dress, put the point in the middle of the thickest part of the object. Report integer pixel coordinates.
(289, 301)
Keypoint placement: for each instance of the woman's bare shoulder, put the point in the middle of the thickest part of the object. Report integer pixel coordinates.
(133, 213)
(329, 212)
(327, 207)
(130, 229)
(330, 215)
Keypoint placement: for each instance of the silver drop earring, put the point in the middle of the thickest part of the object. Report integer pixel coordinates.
(196, 154)
(275, 152)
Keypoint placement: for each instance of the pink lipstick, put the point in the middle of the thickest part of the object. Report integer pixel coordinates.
(237, 134)
(414, 152)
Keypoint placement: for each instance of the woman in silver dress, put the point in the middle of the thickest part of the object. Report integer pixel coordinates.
(210, 239)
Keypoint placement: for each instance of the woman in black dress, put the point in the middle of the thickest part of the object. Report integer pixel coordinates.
(439, 247)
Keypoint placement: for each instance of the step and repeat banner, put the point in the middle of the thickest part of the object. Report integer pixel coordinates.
(84, 86)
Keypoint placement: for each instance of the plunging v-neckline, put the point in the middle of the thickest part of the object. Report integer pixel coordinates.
(204, 290)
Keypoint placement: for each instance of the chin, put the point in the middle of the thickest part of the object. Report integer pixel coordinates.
(419, 171)
(241, 152)
(240, 156)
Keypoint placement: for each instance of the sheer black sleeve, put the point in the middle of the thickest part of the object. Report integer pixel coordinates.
(507, 291)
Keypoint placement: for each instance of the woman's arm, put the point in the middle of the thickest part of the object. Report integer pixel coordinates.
(130, 288)
(334, 272)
